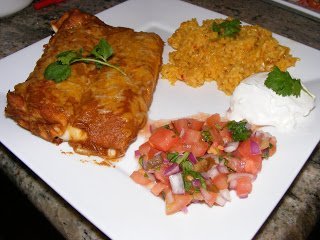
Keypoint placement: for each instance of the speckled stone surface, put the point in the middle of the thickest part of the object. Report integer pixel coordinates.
(297, 212)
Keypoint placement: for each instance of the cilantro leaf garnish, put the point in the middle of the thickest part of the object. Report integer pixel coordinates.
(61, 70)
(182, 158)
(57, 72)
(239, 131)
(228, 28)
(186, 173)
(283, 84)
(68, 57)
(206, 135)
(186, 166)
(172, 156)
(102, 51)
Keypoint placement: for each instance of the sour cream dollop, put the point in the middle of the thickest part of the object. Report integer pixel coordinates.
(259, 105)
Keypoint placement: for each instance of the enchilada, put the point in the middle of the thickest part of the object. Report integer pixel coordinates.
(98, 110)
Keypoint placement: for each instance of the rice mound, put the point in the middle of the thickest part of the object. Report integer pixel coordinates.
(200, 55)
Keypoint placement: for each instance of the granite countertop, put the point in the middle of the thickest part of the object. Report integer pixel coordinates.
(298, 211)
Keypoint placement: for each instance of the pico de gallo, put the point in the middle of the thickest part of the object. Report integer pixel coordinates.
(189, 161)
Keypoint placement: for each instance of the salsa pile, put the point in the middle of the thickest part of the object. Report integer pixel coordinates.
(190, 161)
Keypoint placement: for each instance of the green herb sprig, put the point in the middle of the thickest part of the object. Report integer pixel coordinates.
(206, 135)
(60, 70)
(187, 170)
(283, 84)
(239, 131)
(228, 28)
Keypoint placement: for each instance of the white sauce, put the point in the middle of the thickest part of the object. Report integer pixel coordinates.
(259, 105)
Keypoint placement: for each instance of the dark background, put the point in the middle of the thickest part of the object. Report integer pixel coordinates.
(19, 219)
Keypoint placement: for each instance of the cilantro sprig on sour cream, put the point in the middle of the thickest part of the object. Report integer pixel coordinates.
(283, 84)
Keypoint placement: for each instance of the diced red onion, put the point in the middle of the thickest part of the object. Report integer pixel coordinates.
(172, 169)
(192, 158)
(235, 176)
(208, 181)
(206, 196)
(231, 147)
(152, 171)
(137, 153)
(151, 128)
(254, 148)
(184, 210)
(211, 173)
(262, 134)
(244, 195)
(176, 182)
(222, 169)
(220, 200)
(157, 153)
(225, 193)
(258, 133)
(166, 160)
(196, 183)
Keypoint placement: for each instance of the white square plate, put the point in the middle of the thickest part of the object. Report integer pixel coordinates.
(108, 197)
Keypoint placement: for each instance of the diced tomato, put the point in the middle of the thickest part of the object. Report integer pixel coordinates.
(209, 197)
(162, 139)
(216, 137)
(159, 175)
(312, 3)
(185, 135)
(190, 144)
(195, 124)
(213, 120)
(226, 135)
(147, 150)
(221, 181)
(244, 186)
(266, 144)
(187, 123)
(140, 177)
(158, 188)
(180, 147)
(244, 148)
(253, 164)
(190, 136)
(236, 164)
(199, 148)
(179, 203)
